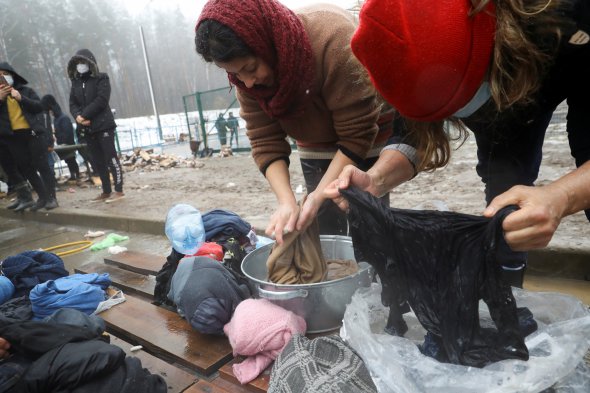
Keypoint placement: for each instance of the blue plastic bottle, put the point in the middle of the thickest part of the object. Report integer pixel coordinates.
(184, 228)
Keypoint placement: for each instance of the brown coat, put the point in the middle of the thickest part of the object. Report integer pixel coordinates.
(341, 112)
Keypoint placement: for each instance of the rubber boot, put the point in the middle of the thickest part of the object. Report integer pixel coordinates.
(514, 275)
(40, 204)
(14, 204)
(24, 197)
(15, 190)
(51, 201)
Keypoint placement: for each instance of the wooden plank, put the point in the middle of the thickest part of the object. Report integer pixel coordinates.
(229, 386)
(167, 335)
(177, 380)
(207, 387)
(127, 281)
(136, 261)
(258, 385)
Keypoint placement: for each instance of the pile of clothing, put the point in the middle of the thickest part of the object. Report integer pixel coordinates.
(207, 284)
(68, 352)
(38, 281)
(56, 343)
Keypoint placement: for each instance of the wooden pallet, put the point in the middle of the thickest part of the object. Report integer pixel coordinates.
(188, 360)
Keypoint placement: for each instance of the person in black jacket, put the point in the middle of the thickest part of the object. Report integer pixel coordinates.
(499, 68)
(22, 133)
(64, 134)
(89, 105)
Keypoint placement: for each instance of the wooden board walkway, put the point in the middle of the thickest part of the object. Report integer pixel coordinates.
(167, 335)
(189, 361)
(128, 281)
(136, 261)
(259, 385)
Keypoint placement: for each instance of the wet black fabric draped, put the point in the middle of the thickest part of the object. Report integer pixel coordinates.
(442, 263)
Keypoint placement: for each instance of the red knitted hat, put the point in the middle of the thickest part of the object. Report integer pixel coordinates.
(427, 58)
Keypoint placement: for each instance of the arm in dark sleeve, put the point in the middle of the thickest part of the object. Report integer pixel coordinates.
(75, 108)
(30, 101)
(101, 101)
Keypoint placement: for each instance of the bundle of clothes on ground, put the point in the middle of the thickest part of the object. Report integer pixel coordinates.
(56, 342)
(208, 288)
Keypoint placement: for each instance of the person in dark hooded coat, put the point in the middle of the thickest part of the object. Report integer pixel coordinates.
(89, 105)
(64, 133)
(22, 133)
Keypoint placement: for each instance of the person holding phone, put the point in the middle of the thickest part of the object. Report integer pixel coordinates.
(22, 135)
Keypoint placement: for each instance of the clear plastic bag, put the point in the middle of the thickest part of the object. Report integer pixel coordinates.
(556, 350)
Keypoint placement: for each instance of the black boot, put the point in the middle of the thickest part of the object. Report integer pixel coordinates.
(24, 198)
(51, 204)
(14, 204)
(38, 205)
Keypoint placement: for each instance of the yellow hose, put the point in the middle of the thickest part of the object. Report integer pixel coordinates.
(86, 244)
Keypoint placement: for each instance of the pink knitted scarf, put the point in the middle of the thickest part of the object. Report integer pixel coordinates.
(275, 34)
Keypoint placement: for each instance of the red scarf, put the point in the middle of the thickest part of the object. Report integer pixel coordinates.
(275, 34)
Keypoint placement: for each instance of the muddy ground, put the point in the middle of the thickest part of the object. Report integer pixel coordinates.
(234, 183)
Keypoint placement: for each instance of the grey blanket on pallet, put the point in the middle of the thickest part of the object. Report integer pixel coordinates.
(322, 365)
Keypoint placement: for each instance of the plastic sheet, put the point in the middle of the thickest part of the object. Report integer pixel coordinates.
(556, 350)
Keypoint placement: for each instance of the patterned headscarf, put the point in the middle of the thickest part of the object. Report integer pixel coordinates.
(275, 34)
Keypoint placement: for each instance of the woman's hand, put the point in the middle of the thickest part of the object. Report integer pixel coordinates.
(350, 175)
(541, 211)
(15, 94)
(83, 121)
(283, 221)
(4, 347)
(4, 92)
(310, 209)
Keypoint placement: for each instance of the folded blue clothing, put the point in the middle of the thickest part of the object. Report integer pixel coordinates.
(30, 268)
(103, 280)
(65, 292)
(225, 223)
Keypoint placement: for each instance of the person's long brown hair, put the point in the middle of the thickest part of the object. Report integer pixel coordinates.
(527, 36)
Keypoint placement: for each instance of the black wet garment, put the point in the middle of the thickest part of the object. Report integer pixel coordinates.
(56, 357)
(164, 278)
(442, 263)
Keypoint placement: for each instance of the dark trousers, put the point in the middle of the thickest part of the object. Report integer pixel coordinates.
(101, 146)
(8, 164)
(222, 138)
(234, 132)
(30, 153)
(331, 220)
(73, 167)
(508, 157)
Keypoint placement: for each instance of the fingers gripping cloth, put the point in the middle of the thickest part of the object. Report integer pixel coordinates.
(299, 260)
(442, 263)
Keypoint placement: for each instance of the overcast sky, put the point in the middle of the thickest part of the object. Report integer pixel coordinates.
(192, 8)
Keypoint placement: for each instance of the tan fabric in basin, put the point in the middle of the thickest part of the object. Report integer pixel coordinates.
(340, 268)
(299, 260)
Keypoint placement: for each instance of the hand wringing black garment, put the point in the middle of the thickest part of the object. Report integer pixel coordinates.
(442, 263)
